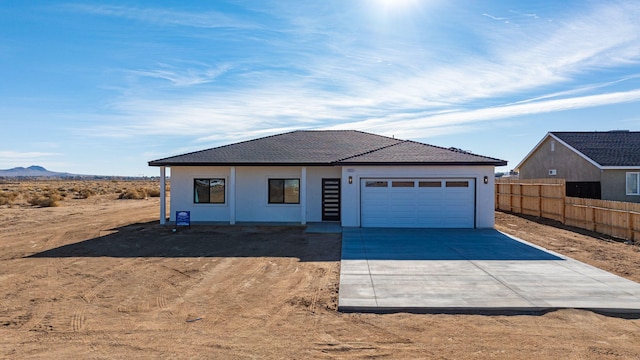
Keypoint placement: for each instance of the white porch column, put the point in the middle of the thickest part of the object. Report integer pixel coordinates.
(163, 195)
(303, 196)
(232, 196)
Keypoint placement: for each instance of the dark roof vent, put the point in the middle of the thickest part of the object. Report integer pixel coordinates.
(458, 150)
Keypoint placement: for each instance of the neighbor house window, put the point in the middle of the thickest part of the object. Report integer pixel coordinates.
(633, 183)
(208, 191)
(284, 191)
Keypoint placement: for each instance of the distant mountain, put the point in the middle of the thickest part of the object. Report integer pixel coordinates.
(33, 171)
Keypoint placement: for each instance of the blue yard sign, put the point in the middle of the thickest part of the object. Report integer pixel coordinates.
(183, 218)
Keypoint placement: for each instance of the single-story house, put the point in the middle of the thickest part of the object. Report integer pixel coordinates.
(355, 178)
(598, 165)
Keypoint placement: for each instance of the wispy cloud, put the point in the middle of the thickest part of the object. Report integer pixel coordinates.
(9, 154)
(208, 19)
(183, 77)
(423, 126)
(494, 17)
(396, 88)
(10, 158)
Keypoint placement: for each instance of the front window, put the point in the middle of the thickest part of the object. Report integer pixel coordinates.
(208, 191)
(284, 191)
(633, 183)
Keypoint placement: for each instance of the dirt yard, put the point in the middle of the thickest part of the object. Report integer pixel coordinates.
(98, 278)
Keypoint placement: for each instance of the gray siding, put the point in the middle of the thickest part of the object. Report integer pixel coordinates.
(568, 164)
(614, 184)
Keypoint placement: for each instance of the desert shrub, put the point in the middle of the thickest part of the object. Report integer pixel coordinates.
(153, 192)
(47, 200)
(85, 193)
(7, 198)
(135, 194)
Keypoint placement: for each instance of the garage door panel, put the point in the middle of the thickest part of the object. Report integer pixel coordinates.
(377, 202)
(425, 197)
(398, 212)
(435, 203)
(401, 198)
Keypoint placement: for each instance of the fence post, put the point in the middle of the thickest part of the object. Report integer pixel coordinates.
(539, 200)
(629, 225)
(510, 197)
(564, 202)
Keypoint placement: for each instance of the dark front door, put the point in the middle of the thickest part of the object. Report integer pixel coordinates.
(330, 199)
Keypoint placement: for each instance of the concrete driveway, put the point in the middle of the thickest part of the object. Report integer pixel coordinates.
(469, 270)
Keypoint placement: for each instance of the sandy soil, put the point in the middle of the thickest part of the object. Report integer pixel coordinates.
(98, 278)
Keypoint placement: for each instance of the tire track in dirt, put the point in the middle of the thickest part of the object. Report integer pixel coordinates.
(42, 315)
(322, 284)
(54, 264)
(38, 314)
(170, 300)
(205, 294)
(78, 319)
(387, 344)
(167, 309)
(227, 295)
(46, 317)
(283, 289)
(90, 295)
(286, 304)
(240, 290)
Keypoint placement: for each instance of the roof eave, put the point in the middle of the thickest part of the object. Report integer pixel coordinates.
(429, 163)
(621, 167)
(342, 163)
(160, 163)
(551, 135)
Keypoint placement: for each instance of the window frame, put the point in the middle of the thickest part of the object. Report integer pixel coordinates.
(209, 180)
(376, 183)
(457, 184)
(637, 185)
(435, 184)
(403, 184)
(284, 186)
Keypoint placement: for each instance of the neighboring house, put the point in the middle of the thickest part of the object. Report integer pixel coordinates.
(598, 165)
(352, 177)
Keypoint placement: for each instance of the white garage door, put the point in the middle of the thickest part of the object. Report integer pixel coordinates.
(418, 203)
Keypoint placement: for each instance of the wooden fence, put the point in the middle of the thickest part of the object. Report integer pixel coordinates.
(546, 198)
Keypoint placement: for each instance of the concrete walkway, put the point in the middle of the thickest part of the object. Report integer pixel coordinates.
(470, 270)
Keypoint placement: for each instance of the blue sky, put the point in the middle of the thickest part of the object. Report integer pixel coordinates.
(104, 87)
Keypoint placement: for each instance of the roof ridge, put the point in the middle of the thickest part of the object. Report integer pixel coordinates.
(227, 145)
(373, 150)
(607, 132)
(454, 149)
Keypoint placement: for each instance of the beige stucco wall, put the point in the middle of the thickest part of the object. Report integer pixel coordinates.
(568, 164)
(614, 186)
